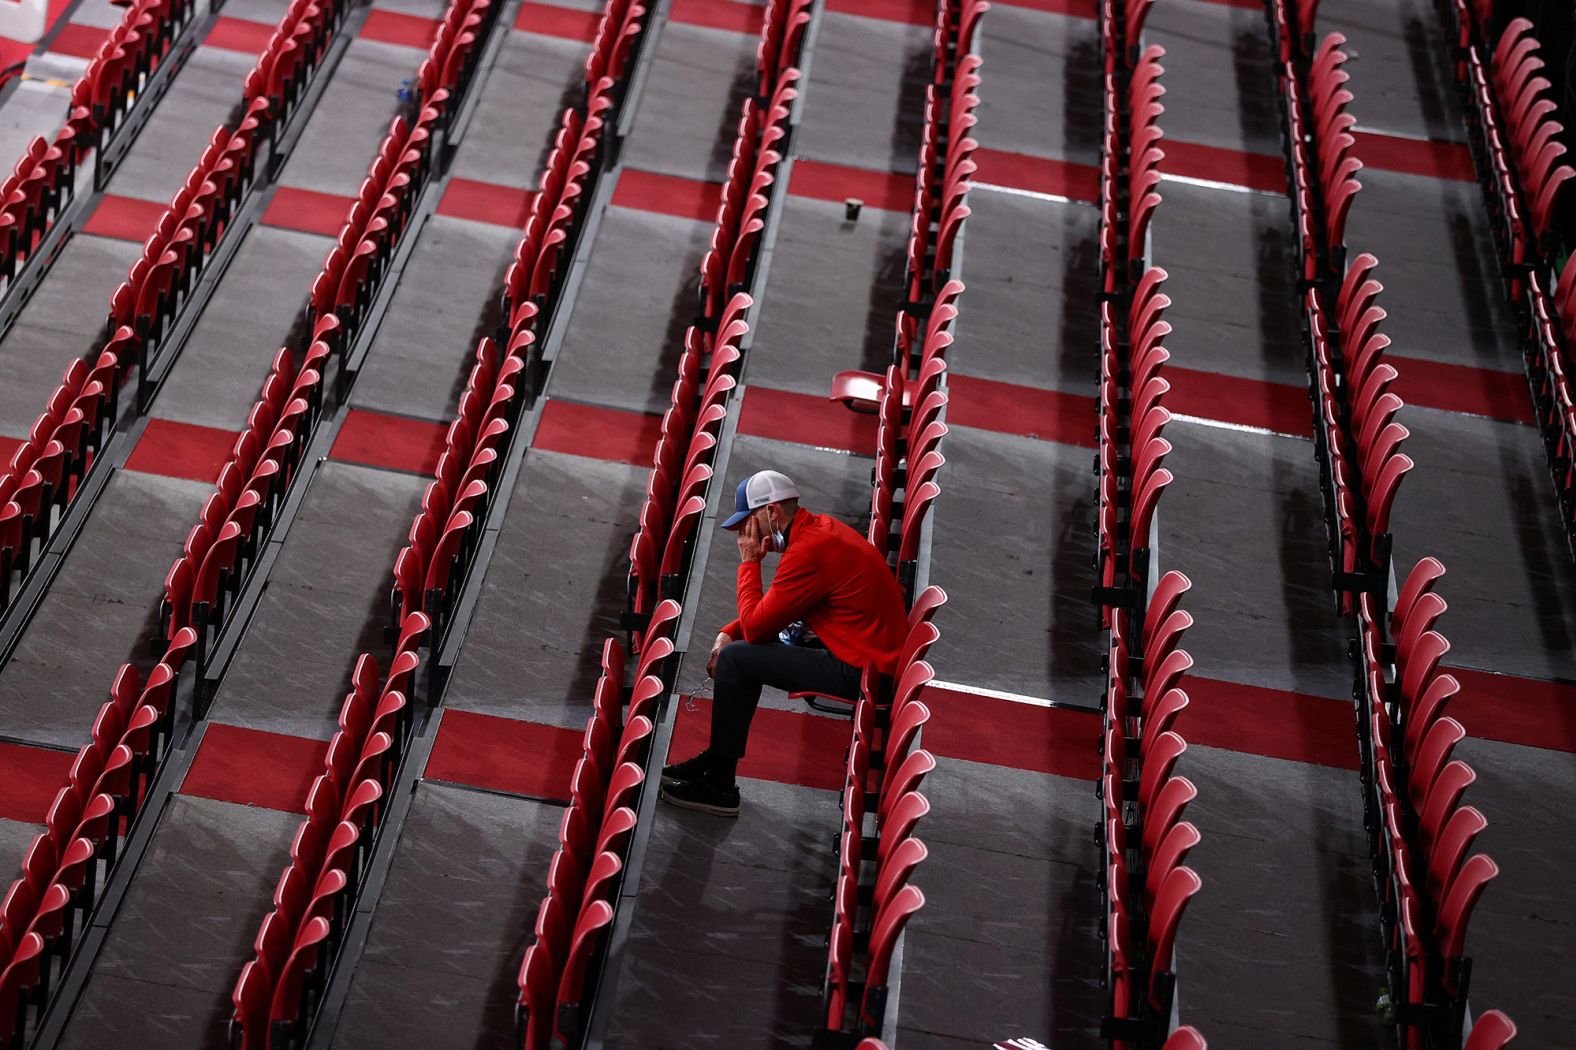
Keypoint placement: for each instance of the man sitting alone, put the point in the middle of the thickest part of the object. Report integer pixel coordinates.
(833, 580)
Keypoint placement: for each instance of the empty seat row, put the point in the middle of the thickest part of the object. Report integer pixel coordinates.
(280, 986)
(877, 849)
(1412, 791)
(1321, 123)
(220, 547)
(44, 179)
(430, 570)
(660, 552)
(1530, 121)
(276, 995)
(1357, 438)
(1421, 831)
(1130, 159)
(267, 456)
(1146, 884)
(557, 979)
(132, 733)
(71, 859)
(1515, 132)
(1130, 437)
(45, 472)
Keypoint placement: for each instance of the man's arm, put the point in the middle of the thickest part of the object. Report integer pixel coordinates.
(762, 613)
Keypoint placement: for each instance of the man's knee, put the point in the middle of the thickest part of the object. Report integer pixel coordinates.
(731, 662)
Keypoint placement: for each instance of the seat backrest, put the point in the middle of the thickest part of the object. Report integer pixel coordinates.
(902, 817)
(1492, 1031)
(537, 982)
(624, 786)
(1176, 889)
(614, 835)
(1460, 896)
(590, 929)
(1173, 850)
(1450, 848)
(906, 779)
(1186, 1038)
(906, 725)
(286, 1004)
(895, 870)
(889, 924)
(1162, 757)
(603, 878)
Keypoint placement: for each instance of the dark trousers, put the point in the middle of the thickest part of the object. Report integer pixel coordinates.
(743, 668)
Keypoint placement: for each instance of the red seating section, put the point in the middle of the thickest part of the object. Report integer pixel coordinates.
(660, 551)
(1357, 439)
(1422, 833)
(1146, 883)
(277, 992)
(45, 178)
(47, 469)
(1516, 131)
(131, 734)
(557, 979)
(1419, 833)
(877, 851)
(96, 808)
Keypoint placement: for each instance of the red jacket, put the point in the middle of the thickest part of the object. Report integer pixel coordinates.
(835, 581)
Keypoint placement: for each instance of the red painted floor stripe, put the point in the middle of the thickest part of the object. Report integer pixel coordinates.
(124, 218)
(30, 777)
(307, 211)
(240, 34)
(182, 450)
(504, 754)
(396, 27)
(486, 202)
(822, 181)
(255, 768)
(1462, 388)
(375, 439)
(1233, 166)
(1246, 402)
(1008, 408)
(598, 433)
(1269, 722)
(788, 747)
(78, 41)
(732, 15)
(909, 12)
(1019, 171)
(1515, 710)
(562, 22)
(1440, 160)
(1055, 740)
(807, 419)
(668, 195)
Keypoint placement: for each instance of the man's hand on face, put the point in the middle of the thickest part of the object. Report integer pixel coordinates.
(724, 639)
(752, 544)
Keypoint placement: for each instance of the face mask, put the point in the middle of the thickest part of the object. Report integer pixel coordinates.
(778, 541)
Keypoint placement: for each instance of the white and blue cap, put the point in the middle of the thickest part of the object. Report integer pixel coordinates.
(756, 491)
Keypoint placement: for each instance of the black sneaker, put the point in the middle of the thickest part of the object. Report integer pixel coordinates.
(687, 771)
(699, 795)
